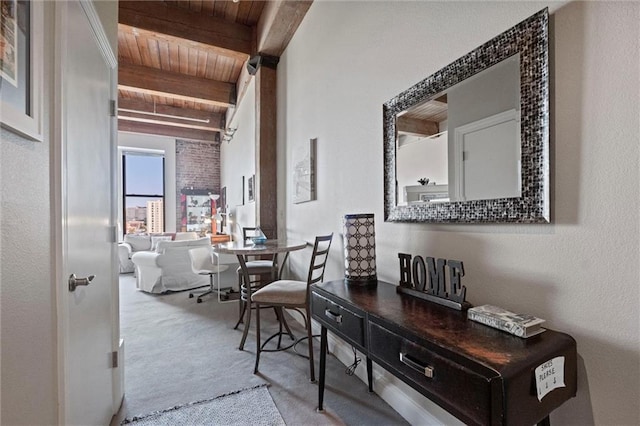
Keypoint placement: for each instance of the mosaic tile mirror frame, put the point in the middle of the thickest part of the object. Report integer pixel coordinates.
(530, 40)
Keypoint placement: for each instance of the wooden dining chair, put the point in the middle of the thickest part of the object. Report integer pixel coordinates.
(289, 294)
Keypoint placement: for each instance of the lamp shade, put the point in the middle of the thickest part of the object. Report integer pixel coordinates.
(359, 248)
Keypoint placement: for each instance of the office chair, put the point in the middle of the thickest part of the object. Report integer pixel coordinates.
(202, 263)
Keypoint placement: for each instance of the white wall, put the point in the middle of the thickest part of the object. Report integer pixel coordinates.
(27, 296)
(420, 158)
(237, 160)
(159, 143)
(581, 273)
(28, 321)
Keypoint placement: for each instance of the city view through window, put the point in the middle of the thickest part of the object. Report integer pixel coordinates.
(143, 179)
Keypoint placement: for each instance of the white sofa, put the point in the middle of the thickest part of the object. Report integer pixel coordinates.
(168, 268)
(144, 242)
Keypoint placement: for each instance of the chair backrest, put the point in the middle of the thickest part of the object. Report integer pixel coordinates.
(249, 232)
(202, 259)
(319, 259)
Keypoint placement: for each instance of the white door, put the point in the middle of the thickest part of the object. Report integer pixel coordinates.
(87, 326)
(487, 158)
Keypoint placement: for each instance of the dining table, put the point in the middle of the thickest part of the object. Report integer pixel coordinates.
(268, 249)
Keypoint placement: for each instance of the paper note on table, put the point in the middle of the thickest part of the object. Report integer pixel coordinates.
(549, 376)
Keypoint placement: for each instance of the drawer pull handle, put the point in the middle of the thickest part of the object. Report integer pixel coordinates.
(423, 369)
(336, 317)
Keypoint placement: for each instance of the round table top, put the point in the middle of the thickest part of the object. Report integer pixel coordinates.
(269, 247)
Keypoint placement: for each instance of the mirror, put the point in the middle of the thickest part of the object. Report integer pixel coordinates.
(470, 142)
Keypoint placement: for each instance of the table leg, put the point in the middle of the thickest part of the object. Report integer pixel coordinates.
(370, 374)
(247, 302)
(323, 364)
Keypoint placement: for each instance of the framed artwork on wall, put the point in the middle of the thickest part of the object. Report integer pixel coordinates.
(251, 187)
(304, 172)
(242, 191)
(21, 54)
(223, 206)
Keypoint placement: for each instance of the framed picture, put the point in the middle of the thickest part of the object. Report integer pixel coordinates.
(223, 206)
(251, 187)
(304, 172)
(223, 200)
(242, 191)
(21, 55)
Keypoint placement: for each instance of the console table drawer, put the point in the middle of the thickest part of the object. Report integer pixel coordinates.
(460, 390)
(340, 320)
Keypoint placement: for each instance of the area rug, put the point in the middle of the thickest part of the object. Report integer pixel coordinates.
(252, 406)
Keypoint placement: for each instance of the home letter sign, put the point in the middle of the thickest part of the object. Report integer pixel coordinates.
(427, 280)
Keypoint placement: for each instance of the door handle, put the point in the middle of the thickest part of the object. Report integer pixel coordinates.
(75, 281)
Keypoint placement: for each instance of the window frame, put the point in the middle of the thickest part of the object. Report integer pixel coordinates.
(125, 195)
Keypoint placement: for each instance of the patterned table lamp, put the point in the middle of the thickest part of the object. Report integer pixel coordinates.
(359, 249)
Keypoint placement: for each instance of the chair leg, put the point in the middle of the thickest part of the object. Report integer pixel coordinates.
(243, 308)
(255, 368)
(286, 325)
(222, 292)
(310, 342)
(280, 319)
(199, 299)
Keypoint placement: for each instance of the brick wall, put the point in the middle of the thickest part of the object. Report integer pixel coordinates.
(197, 167)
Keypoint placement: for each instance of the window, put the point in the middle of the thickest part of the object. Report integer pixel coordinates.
(143, 191)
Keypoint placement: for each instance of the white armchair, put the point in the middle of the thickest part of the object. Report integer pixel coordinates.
(125, 251)
(132, 243)
(168, 268)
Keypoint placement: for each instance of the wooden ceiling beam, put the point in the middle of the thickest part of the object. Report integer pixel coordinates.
(138, 110)
(153, 81)
(164, 21)
(170, 131)
(168, 38)
(278, 23)
(416, 127)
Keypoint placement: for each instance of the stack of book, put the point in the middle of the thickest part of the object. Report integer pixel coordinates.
(521, 325)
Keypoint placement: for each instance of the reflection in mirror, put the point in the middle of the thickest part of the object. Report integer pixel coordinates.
(470, 142)
(463, 144)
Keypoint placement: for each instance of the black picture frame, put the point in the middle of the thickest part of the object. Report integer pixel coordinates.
(21, 68)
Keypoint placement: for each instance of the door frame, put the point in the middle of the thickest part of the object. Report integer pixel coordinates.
(59, 208)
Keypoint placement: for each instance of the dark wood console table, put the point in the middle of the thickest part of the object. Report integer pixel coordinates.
(478, 374)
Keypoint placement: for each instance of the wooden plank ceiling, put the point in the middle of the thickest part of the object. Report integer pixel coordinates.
(182, 64)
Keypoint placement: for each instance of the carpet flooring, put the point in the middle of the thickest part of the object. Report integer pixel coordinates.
(178, 351)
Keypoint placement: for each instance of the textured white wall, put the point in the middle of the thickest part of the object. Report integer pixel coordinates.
(27, 296)
(581, 272)
(237, 159)
(29, 387)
